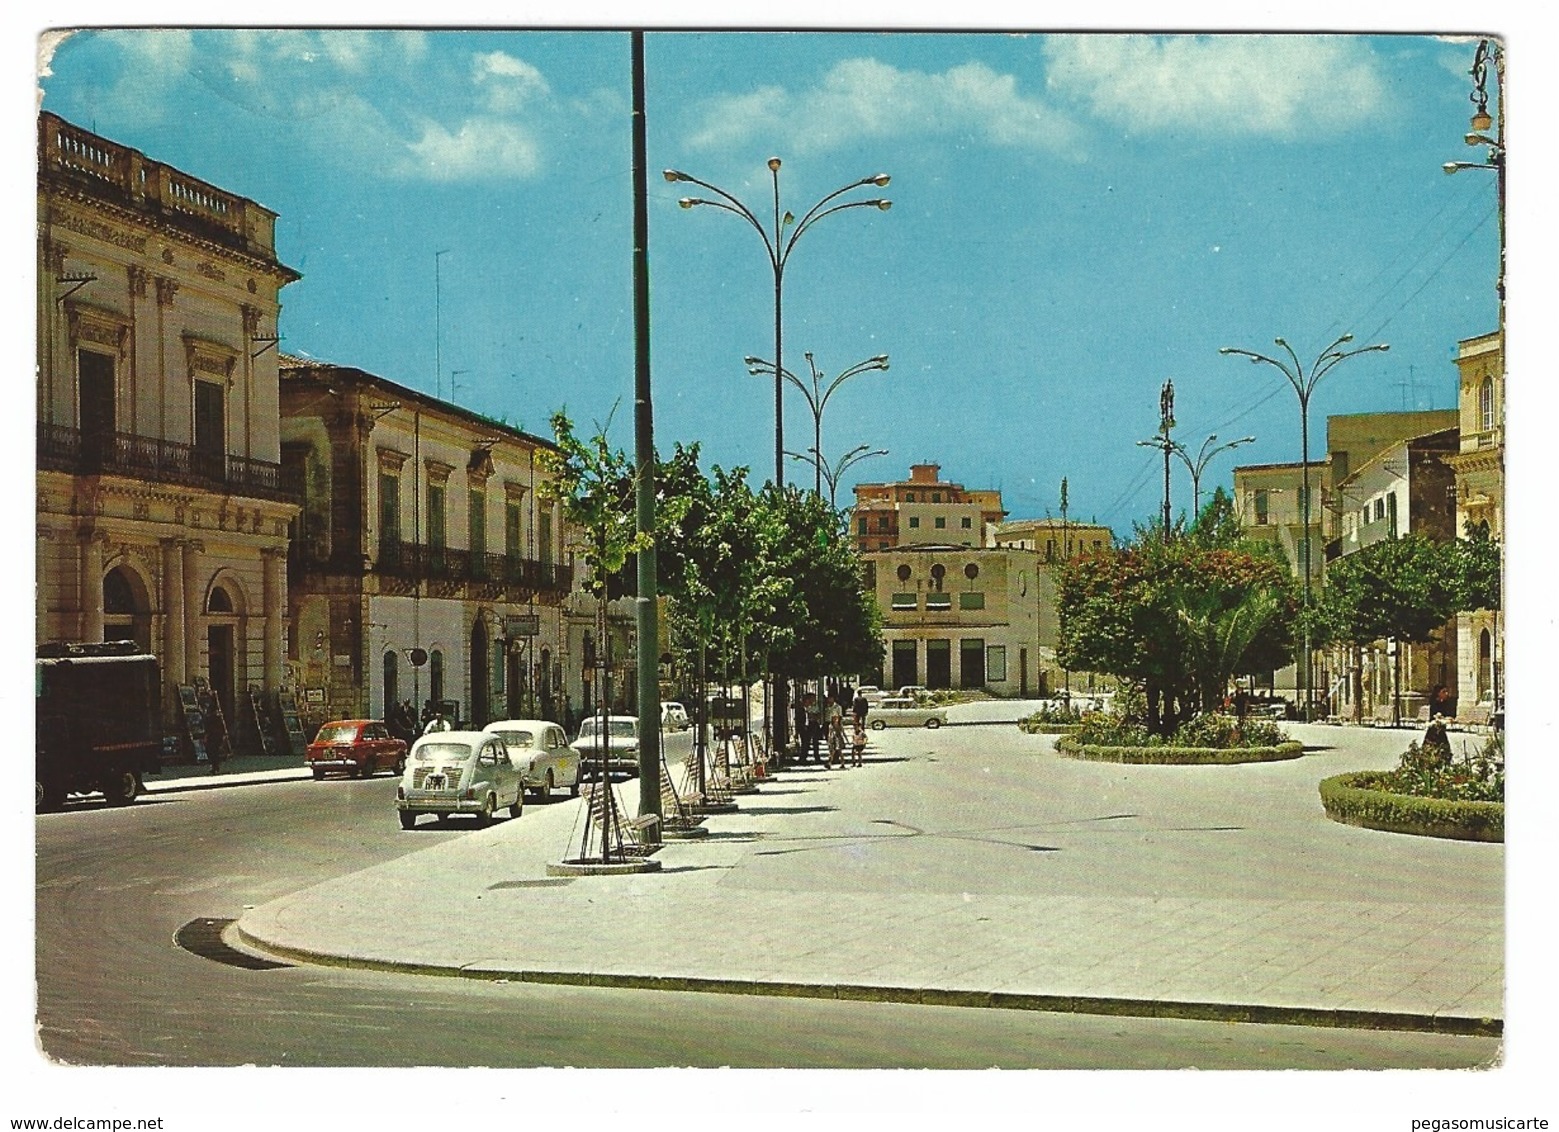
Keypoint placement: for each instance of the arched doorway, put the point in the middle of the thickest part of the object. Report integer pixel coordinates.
(481, 667)
(127, 612)
(222, 659)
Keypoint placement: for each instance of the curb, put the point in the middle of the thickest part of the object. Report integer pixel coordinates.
(1335, 1018)
(216, 782)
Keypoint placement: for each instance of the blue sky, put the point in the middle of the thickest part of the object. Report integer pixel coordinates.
(1075, 219)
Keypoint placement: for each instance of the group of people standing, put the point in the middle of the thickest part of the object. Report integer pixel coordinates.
(821, 726)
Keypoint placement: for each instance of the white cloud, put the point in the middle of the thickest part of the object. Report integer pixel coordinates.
(867, 99)
(507, 83)
(480, 148)
(1264, 85)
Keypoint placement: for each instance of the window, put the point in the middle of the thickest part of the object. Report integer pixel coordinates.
(971, 601)
(941, 522)
(971, 571)
(544, 535)
(966, 522)
(971, 662)
(389, 515)
(860, 525)
(1380, 507)
(903, 573)
(436, 515)
(914, 522)
(909, 497)
(936, 497)
(1261, 508)
(903, 602)
(1486, 404)
(938, 572)
(939, 601)
(477, 501)
(882, 522)
(511, 528)
(995, 663)
(210, 429)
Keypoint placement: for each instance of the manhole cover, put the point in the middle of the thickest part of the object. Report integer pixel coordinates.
(203, 937)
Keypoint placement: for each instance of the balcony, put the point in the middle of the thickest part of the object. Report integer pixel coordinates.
(453, 566)
(62, 448)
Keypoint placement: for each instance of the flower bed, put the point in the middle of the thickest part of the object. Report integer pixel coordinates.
(1044, 727)
(1357, 799)
(1171, 755)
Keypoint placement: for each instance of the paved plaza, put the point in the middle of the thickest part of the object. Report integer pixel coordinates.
(970, 866)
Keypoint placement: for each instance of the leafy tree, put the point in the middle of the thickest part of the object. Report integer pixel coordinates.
(1477, 566)
(1216, 524)
(595, 485)
(1402, 589)
(1178, 618)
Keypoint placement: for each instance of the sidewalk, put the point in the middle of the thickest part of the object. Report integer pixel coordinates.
(244, 770)
(1220, 893)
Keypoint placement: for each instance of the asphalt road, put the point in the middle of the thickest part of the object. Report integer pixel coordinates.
(114, 886)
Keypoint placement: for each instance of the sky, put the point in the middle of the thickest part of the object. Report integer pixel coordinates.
(1075, 219)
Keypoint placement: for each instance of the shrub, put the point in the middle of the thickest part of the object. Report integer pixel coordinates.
(1425, 772)
(1225, 732)
(1360, 799)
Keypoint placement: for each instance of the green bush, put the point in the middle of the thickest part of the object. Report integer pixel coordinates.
(1359, 799)
(1428, 772)
(1164, 753)
(1209, 731)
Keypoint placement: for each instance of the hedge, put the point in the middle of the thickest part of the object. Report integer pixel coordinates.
(1180, 756)
(1047, 728)
(1348, 799)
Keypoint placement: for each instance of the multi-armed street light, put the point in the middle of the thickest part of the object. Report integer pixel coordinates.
(1304, 382)
(1482, 122)
(1199, 465)
(831, 474)
(817, 396)
(1166, 424)
(779, 241)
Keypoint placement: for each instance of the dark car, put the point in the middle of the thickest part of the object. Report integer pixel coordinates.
(355, 747)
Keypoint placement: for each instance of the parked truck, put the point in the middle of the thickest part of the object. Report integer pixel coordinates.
(99, 721)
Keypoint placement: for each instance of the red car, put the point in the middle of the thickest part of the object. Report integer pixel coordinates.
(355, 747)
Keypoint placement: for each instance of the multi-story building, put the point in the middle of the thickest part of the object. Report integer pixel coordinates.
(425, 565)
(923, 508)
(1479, 467)
(965, 617)
(1053, 539)
(1406, 488)
(161, 513)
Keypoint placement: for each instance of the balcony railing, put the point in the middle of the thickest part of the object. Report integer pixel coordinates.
(422, 562)
(63, 448)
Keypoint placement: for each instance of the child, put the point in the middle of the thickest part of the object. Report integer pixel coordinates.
(858, 741)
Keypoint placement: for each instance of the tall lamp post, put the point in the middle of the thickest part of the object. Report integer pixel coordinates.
(1494, 157)
(817, 396)
(832, 473)
(1166, 422)
(1304, 383)
(1199, 465)
(779, 242)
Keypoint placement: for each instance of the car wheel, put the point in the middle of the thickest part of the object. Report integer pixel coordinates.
(485, 815)
(121, 788)
(519, 802)
(933, 723)
(319, 775)
(546, 787)
(408, 818)
(878, 725)
(573, 787)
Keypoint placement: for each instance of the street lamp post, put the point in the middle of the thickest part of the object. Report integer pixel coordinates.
(1494, 158)
(1199, 465)
(831, 474)
(817, 396)
(779, 242)
(1304, 383)
(1166, 422)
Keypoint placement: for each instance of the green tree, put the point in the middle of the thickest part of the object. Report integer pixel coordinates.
(1477, 565)
(1402, 589)
(1177, 618)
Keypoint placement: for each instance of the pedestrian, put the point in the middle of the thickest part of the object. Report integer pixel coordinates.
(814, 725)
(858, 742)
(859, 707)
(835, 727)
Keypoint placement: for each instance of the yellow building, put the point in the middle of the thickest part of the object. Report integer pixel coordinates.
(161, 513)
(923, 508)
(1479, 465)
(1054, 540)
(426, 567)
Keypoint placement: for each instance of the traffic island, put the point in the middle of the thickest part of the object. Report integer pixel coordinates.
(1357, 799)
(1179, 756)
(621, 866)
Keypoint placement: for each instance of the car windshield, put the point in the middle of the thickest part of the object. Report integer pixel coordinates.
(431, 751)
(617, 728)
(337, 733)
(518, 738)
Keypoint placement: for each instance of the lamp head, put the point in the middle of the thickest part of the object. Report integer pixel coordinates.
(880, 180)
(1280, 341)
(674, 176)
(884, 205)
(687, 202)
(774, 164)
(1482, 120)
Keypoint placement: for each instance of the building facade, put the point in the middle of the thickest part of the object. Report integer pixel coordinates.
(1054, 540)
(923, 508)
(425, 565)
(1479, 468)
(161, 512)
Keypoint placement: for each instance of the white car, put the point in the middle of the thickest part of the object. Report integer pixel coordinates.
(540, 751)
(913, 691)
(898, 711)
(673, 716)
(459, 772)
(871, 692)
(620, 737)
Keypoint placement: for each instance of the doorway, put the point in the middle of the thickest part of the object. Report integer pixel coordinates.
(220, 667)
(480, 667)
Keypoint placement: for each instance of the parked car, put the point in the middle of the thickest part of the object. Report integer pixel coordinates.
(913, 691)
(673, 716)
(355, 747)
(540, 751)
(873, 694)
(898, 711)
(621, 738)
(459, 772)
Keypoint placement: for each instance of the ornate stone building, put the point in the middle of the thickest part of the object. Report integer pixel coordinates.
(161, 516)
(425, 566)
(1479, 466)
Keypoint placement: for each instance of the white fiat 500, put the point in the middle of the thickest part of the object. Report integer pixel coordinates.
(540, 750)
(459, 772)
(897, 711)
